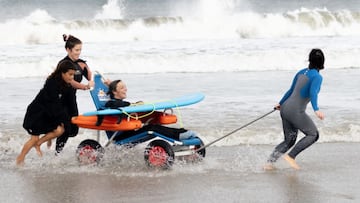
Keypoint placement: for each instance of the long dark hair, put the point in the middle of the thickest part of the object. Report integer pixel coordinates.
(62, 67)
(71, 41)
(112, 87)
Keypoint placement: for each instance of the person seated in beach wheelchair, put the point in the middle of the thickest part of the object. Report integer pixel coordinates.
(147, 126)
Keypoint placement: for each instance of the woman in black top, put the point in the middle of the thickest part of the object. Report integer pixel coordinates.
(73, 48)
(48, 112)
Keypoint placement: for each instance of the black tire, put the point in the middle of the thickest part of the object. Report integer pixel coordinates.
(201, 152)
(196, 156)
(89, 152)
(159, 154)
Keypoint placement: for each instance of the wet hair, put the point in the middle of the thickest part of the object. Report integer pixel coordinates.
(316, 59)
(62, 67)
(112, 87)
(71, 41)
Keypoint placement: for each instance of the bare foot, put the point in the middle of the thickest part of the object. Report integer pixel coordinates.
(20, 161)
(269, 167)
(292, 162)
(48, 144)
(38, 151)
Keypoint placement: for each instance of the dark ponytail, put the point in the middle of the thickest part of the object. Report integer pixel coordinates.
(70, 41)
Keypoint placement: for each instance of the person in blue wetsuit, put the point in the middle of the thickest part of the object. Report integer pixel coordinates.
(304, 89)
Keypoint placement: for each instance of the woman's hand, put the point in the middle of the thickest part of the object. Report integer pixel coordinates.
(137, 103)
(320, 115)
(91, 84)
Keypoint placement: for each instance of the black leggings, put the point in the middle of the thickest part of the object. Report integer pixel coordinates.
(62, 139)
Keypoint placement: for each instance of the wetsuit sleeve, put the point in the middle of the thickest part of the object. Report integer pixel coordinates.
(85, 69)
(289, 92)
(314, 91)
(86, 73)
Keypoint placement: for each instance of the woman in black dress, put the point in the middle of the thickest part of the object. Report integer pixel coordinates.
(48, 112)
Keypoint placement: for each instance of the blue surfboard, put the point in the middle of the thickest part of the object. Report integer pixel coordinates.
(166, 104)
(99, 96)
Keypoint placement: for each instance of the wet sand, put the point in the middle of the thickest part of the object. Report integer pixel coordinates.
(228, 174)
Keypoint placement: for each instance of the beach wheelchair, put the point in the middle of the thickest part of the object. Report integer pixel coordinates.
(129, 129)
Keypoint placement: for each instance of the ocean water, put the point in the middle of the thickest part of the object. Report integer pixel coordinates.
(158, 36)
(241, 54)
(232, 50)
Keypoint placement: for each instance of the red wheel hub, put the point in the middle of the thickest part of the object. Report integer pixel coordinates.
(87, 155)
(157, 156)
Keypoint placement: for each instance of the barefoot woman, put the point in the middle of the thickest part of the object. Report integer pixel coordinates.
(304, 89)
(47, 113)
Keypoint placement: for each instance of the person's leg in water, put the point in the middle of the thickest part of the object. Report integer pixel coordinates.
(61, 141)
(311, 136)
(290, 136)
(26, 148)
(69, 132)
(36, 141)
(49, 136)
(48, 144)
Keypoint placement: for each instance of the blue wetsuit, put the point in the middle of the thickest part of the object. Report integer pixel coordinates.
(304, 89)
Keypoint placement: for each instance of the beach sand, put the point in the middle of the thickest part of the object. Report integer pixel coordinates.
(228, 174)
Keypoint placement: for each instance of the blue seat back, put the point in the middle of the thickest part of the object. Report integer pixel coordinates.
(98, 93)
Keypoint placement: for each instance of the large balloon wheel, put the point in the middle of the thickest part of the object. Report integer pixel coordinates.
(87, 155)
(157, 156)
